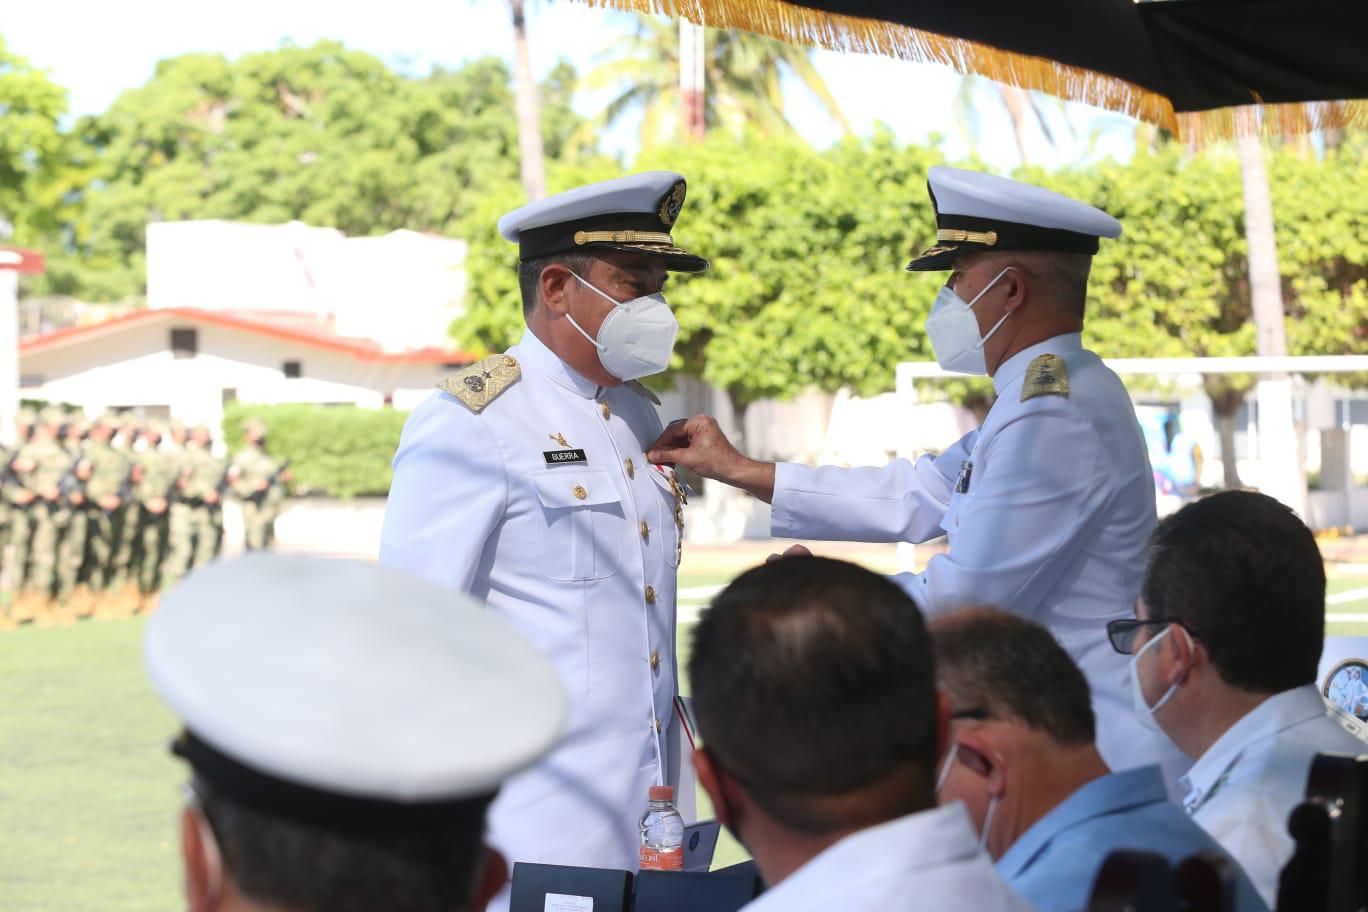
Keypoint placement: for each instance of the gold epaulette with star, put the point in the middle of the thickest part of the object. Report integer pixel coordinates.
(1048, 375)
(482, 382)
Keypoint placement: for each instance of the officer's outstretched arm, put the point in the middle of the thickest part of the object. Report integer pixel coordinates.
(449, 493)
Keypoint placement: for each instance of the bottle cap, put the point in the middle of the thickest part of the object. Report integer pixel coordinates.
(662, 793)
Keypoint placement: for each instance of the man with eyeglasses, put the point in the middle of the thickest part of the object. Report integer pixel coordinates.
(1224, 647)
(1023, 759)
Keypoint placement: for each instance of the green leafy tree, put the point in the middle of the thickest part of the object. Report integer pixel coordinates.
(322, 134)
(42, 168)
(807, 248)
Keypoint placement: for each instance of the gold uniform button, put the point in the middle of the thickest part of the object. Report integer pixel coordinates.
(655, 661)
(645, 531)
(657, 721)
(650, 595)
(631, 469)
(579, 492)
(606, 413)
(510, 361)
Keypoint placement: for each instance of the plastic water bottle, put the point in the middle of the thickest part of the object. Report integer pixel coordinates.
(662, 833)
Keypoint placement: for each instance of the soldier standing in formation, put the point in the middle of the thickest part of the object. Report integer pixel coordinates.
(101, 518)
(258, 480)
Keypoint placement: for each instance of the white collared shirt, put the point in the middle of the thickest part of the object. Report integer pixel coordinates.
(577, 555)
(1246, 784)
(1048, 509)
(927, 860)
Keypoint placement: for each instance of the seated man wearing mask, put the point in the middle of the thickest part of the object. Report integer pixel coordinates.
(524, 481)
(1023, 760)
(1225, 645)
(821, 726)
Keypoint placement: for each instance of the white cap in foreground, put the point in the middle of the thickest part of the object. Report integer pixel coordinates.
(341, 692)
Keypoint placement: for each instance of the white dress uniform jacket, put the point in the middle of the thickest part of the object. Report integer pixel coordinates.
(577, 554)
(928, 860)
(1243, 788)
(1048, 508)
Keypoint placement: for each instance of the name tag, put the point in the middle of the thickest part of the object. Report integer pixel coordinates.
(564, 457)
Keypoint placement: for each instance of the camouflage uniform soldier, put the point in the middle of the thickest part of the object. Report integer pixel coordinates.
(123, 572)
(259, 482)
(194, 532)
(17, 500)
(72, 520)
(43, 463)
(108, 479)
(156, 488)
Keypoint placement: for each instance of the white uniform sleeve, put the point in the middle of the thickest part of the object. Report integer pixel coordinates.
(1029, 503)
(902, 501)
(449, 492)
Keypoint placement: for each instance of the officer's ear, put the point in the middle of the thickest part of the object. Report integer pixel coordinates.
(1016, 285)
(554, 286)
(1185, 651)
(980, 756)
(490, 877)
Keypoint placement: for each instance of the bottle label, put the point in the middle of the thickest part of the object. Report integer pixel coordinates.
(662, 860)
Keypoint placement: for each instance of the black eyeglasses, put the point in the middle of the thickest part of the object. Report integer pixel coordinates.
(1122, 632)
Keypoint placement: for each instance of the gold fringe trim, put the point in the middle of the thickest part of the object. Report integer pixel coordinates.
(849, 34)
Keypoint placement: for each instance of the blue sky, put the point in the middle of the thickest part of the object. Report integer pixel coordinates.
(98, 48)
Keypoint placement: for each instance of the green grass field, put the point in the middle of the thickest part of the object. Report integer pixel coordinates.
(89, 794)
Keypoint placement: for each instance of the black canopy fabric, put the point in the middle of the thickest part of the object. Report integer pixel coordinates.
(1182, 64)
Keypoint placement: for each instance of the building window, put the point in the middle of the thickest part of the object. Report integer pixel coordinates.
(229, 394)
(184, 343)
(28, 381)
(293, 370)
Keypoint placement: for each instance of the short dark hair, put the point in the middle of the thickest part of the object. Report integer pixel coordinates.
(1243, 575)
(1013, 669)
(812, 678)
(281, 862)
(529, 274)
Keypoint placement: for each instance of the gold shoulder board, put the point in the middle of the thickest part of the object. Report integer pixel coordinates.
(482, 382)
(1048, 375)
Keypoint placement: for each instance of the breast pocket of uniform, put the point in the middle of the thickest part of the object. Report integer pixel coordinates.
(668, 520)
(580, 537)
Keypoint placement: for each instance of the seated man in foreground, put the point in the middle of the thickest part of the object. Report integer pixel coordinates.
(1225, 645)
(346, 726)
(821, 727)
(1023, 758)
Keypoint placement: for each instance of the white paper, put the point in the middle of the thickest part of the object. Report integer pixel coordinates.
(563, 902)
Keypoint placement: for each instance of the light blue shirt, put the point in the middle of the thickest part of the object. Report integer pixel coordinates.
(1054, 863)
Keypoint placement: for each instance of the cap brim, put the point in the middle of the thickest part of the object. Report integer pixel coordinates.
(676, 259)
(941, 257)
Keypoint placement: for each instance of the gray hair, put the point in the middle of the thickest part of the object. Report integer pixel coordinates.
(529, 274)
(1004, 667)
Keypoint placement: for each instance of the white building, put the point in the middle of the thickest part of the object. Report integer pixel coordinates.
(265, 314)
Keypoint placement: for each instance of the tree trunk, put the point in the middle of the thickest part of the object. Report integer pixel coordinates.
(1282, 473)
(530, 150)
(692, 51)
(1014, 100)
(1226, 404)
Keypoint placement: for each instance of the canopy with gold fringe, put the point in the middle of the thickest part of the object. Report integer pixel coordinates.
(1202, 69)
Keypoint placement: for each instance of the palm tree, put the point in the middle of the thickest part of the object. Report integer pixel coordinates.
(1023, 108)
(743, 73)
(1283, 471)
(530, 152)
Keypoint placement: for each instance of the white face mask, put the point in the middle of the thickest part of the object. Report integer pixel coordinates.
(954, 330)
(636, 338)
(992, 799)
(1143, 710)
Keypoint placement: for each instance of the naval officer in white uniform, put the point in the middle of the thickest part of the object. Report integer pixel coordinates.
(1048, 505)
(524, 481)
